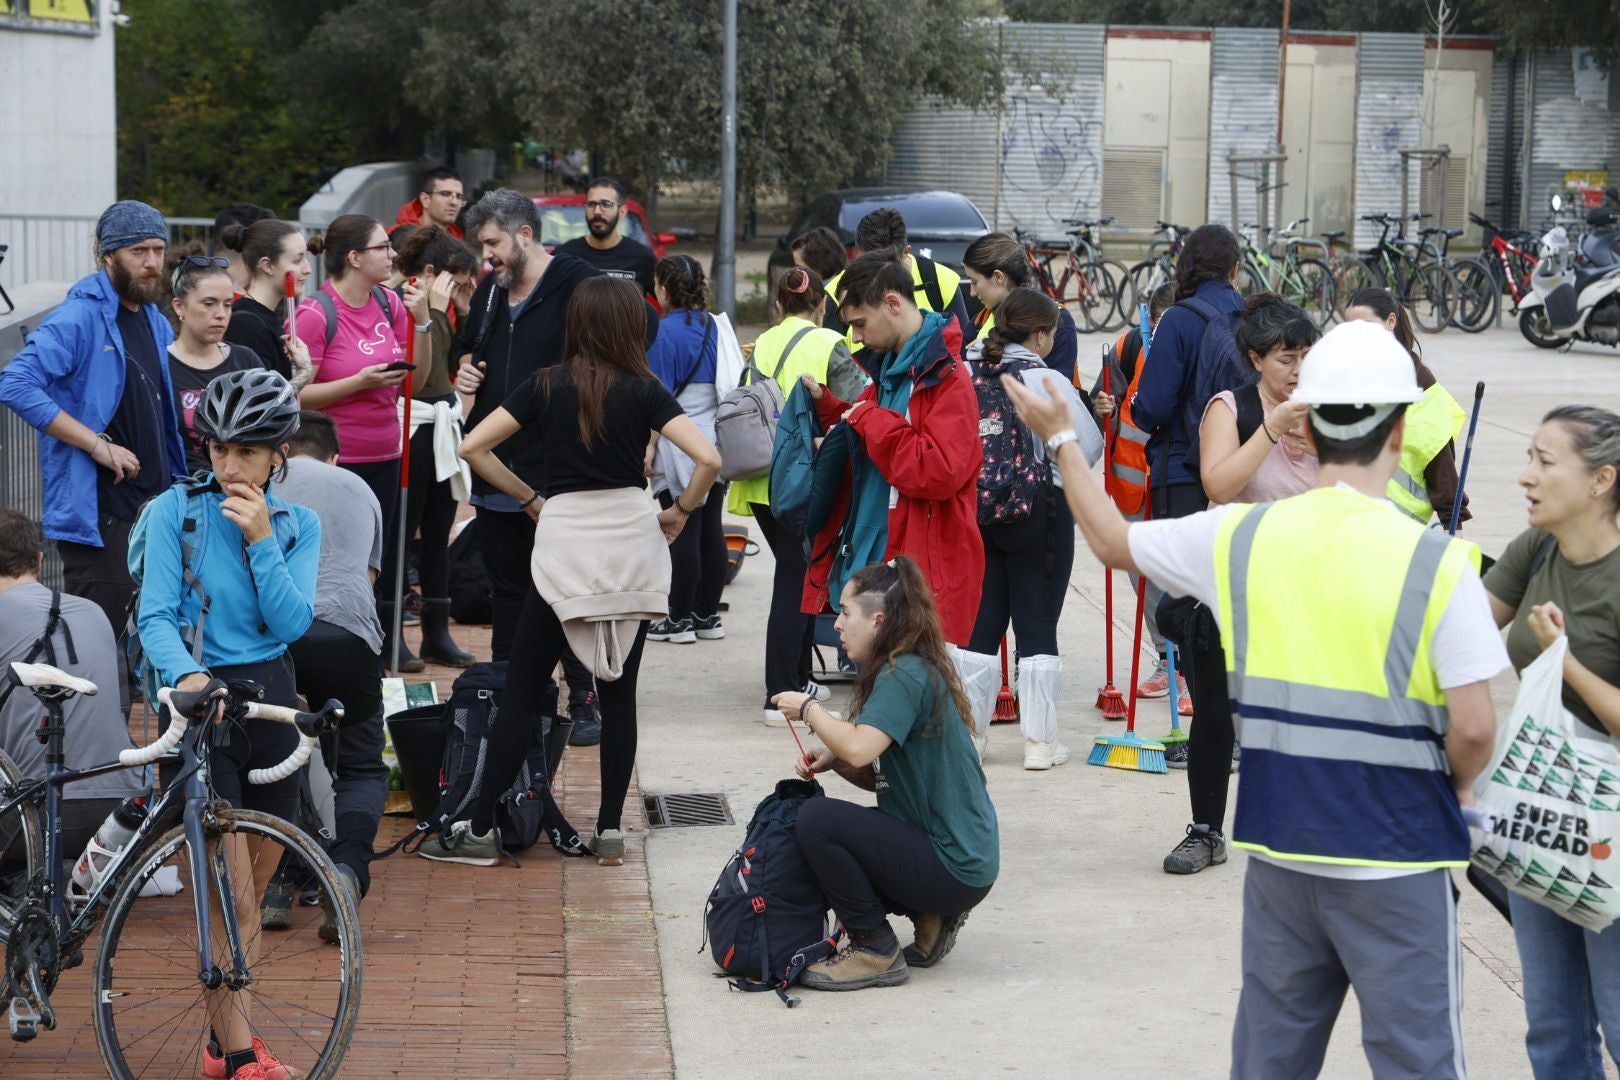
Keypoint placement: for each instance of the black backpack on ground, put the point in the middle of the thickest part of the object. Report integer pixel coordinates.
(766, 919)
(526, 810)
(470, 588)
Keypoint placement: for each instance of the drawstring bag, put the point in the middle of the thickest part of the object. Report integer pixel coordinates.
(1550, 803)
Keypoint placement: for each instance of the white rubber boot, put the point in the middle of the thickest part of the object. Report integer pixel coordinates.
(1040, 681)
(981, 681)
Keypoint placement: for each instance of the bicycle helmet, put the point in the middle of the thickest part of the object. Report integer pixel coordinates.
(247, 407)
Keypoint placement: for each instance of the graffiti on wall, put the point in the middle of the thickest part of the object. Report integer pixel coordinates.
(1050, 159)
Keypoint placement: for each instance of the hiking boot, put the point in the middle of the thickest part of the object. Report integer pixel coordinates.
(275, 910)
(935, 936)
(587, 729)
(1175, 754)
(708, 628)
(1156, 685)
(673, 631)
(213, 1063)
(608, 847)
(462, 845)
(1039, 756)
(328, 930)
(855, 967)
(1203, 847)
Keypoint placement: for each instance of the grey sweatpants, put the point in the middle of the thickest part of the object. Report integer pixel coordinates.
(1307, 938)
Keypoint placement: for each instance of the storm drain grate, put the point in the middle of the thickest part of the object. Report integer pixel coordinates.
(686, 808)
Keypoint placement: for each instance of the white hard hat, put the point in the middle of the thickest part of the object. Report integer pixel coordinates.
(1358, 363)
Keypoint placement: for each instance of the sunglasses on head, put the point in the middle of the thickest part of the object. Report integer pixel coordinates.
(191, 263)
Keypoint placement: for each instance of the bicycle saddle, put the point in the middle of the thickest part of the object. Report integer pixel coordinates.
(36, 676)
(1333, 234)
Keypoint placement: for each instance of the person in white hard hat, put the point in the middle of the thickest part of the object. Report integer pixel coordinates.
(1358, 660)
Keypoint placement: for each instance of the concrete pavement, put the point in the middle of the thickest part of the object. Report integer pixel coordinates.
(1086, 960)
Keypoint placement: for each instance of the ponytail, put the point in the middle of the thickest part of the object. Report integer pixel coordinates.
(898, 589)
(1023, 314)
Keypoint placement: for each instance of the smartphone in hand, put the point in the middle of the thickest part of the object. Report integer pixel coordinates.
(400, 365)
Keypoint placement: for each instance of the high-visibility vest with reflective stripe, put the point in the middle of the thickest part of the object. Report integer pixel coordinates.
(1127, 450)
(950, 282)
(1328, 601)
(1430, 424)
(987, 324)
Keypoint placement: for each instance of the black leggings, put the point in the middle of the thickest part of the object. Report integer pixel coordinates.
(382, 477)
(790, 634)
(245, 745)
(538, 646)
(698, 558)
(431, 510)
(1026, 576)
(505, 540)
(1210, 739)
(870, 863)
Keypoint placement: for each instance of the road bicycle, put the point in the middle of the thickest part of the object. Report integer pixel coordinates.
(1305, 282)
(176, 969)
(1071, 273)
(1159, 268)
(1427, 289)
(1478, 293)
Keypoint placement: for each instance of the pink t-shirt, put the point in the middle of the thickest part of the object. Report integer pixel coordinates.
(1285, 471)
(368, 421)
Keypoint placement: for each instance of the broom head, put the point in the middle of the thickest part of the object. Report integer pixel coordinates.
(1128, 751)
(1111, 702)
(1006, 706)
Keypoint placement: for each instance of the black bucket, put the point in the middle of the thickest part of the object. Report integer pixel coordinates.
(419, 736)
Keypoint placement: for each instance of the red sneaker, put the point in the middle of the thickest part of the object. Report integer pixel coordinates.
(267, 1067)
(1157, 686)
(1184, 701)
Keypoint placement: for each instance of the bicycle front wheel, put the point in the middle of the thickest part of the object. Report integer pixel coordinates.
(301, 996)
(22, 845)
(1431, 296)
(1311, 287)
(1125, 295)
(1091, 292)
(1479, 294)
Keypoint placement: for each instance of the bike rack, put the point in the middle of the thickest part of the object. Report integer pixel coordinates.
(1427, 157)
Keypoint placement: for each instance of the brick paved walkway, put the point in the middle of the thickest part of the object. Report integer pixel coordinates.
(546, 968)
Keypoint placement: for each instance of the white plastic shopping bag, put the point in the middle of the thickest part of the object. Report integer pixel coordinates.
(729, 361)
(1552, 792)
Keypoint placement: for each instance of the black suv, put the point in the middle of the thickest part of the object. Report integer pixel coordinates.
(939, 224)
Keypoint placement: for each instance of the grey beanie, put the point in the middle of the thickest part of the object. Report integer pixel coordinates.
(127, 223)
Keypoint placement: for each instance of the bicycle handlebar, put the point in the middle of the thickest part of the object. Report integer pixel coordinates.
(188, 706)
(183, 707)
(311, 726)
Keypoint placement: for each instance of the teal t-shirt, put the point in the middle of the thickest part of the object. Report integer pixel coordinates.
(931, 777)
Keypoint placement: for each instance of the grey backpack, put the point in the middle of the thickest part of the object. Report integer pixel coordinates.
(745, 423)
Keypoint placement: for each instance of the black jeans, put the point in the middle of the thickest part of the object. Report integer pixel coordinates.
(333, 663)
(382, 477)
(506, 540)
(870, 863)
(429, 510)
(1026, 576)
(790, 634)
(698, 558)
(540, 644)
(101, 574)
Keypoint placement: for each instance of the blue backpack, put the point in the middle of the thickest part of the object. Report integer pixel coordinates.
(766, 920)
(1219, 366)
(193, 521)
(793, 455)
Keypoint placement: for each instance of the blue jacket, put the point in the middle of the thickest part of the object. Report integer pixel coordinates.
(674, 356)
(74, 363)
(259, 604)
(1167, 383)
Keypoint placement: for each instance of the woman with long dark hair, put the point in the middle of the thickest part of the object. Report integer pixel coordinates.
(444, 267)
(931, 848)
(995, 265)
(600, 560)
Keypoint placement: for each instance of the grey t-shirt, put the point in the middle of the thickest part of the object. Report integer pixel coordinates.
(351, 543)
(95, 727)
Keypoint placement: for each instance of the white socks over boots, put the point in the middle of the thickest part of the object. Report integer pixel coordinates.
(1040, 681)
(981, 682)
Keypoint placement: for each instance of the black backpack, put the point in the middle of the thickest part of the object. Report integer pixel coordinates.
(470, 590)
(1218, 365)
(766, 919)
(1013, 473)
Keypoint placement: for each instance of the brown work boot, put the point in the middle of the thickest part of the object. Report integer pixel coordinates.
(856, 968)
(935, 936)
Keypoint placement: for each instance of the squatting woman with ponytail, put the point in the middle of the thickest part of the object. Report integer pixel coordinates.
(931, 849)
(1028, 533)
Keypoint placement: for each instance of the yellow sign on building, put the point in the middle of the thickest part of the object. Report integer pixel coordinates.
(77, 11)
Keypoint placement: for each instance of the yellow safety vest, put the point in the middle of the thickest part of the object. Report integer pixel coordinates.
(1430, 424)
(985, 327)
(809, 357)
(1343, 718)
(950, 283)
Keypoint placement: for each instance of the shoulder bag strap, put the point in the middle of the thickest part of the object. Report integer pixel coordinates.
(782, 361)
(703, 347)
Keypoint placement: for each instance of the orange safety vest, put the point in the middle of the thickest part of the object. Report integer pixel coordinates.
(1127, 446)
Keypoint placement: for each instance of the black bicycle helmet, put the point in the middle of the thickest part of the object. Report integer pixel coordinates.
(247, 407)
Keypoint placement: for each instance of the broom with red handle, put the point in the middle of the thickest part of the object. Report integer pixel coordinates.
(1006, 700)
(1109, 700)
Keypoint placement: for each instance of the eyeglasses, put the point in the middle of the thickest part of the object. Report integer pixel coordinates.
(601, 204)
(453, 196)
(389, 246)
(198, 262)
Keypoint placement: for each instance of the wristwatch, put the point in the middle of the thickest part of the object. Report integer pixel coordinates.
(1059, 439)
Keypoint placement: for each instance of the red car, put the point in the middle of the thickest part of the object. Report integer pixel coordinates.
(562, 218)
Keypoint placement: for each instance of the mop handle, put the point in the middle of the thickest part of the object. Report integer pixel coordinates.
(1468, 452)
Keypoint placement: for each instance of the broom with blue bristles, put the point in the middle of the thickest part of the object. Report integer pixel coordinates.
(1129, 750)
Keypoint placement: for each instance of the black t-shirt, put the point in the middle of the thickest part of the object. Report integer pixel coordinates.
(189, 384)
(256, 327)
(634, 409)
(137, 424)
(628, 259)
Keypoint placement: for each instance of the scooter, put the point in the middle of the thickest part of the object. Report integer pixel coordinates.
(1574, 298)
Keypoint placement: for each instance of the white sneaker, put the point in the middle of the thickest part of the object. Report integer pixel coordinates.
(774, 717)
(817, 691)
(981, 743)
(1039, 756)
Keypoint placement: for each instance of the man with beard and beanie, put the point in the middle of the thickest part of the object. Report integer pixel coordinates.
(93, 381)
(604, 246)
(514, 327)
